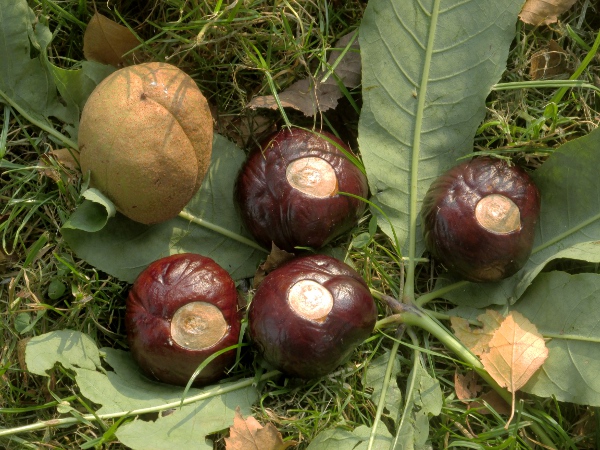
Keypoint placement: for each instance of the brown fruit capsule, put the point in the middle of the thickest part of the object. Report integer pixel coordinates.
(479, 219)
(180, 310)
(308, 315)
(145, 136)
(288, 191)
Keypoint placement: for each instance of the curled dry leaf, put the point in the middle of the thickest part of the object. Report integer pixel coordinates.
(321, 92)
(249, 434)
(276, 258)
(106, 42)
(246, 130)
(66, 158)
(469, 391)
(544, 12)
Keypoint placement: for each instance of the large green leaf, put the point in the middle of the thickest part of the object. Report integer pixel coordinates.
(125, 389)
(565, 308)
(569, 223)
(428, 67)
(123, 248)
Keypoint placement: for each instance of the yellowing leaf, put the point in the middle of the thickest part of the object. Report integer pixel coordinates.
(105, 41)
(249, 434)
(538, 12)
(516, 352)
(477, 339)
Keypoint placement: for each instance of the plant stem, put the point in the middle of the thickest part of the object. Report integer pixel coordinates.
(410, 388)
(563, 84)
(426, 298)
(588, 58)
(153, 409)
(384, 388)
(225, 232)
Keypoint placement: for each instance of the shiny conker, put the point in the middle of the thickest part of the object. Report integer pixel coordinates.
(288, 191)
(479, 219)
(180, 310)
(308, 315)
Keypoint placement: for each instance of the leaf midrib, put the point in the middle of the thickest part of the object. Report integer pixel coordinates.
(414, 171)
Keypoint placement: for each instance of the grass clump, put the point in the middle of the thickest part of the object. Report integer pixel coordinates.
(235, 51)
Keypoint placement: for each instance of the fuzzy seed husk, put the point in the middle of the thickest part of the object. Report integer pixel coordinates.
(145, 136)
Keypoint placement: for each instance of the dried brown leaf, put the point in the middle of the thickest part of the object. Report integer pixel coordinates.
(548, 63)
(494, 399)
(466, 385)
(468, 390)
(477, 339)
(106, 42)
(317, 94)
(516, 351)
(67, 161)
(247, 130)
(249, 434)
(276, 258)
(544, 12)
(65, 157)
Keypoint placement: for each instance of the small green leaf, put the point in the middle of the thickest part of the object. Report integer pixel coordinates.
(22, 321)
(374, 379)
(72, 349)
(372, 226)
(75, 85)
(424, 397)
(93, 214)
(361, 240)
(340, 439)
(64, 407)
(56, 289)
(335, 439)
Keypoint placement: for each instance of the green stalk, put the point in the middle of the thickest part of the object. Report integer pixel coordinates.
(153, 409)
(563, 84)
(409, 287)
(586, 61)
(225, 232)
(425, 298)
(381, 401)
(408, 406)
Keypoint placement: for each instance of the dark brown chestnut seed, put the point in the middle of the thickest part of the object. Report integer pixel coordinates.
(308, 315)
(479, 219)
(288, 191)
(180, 310)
